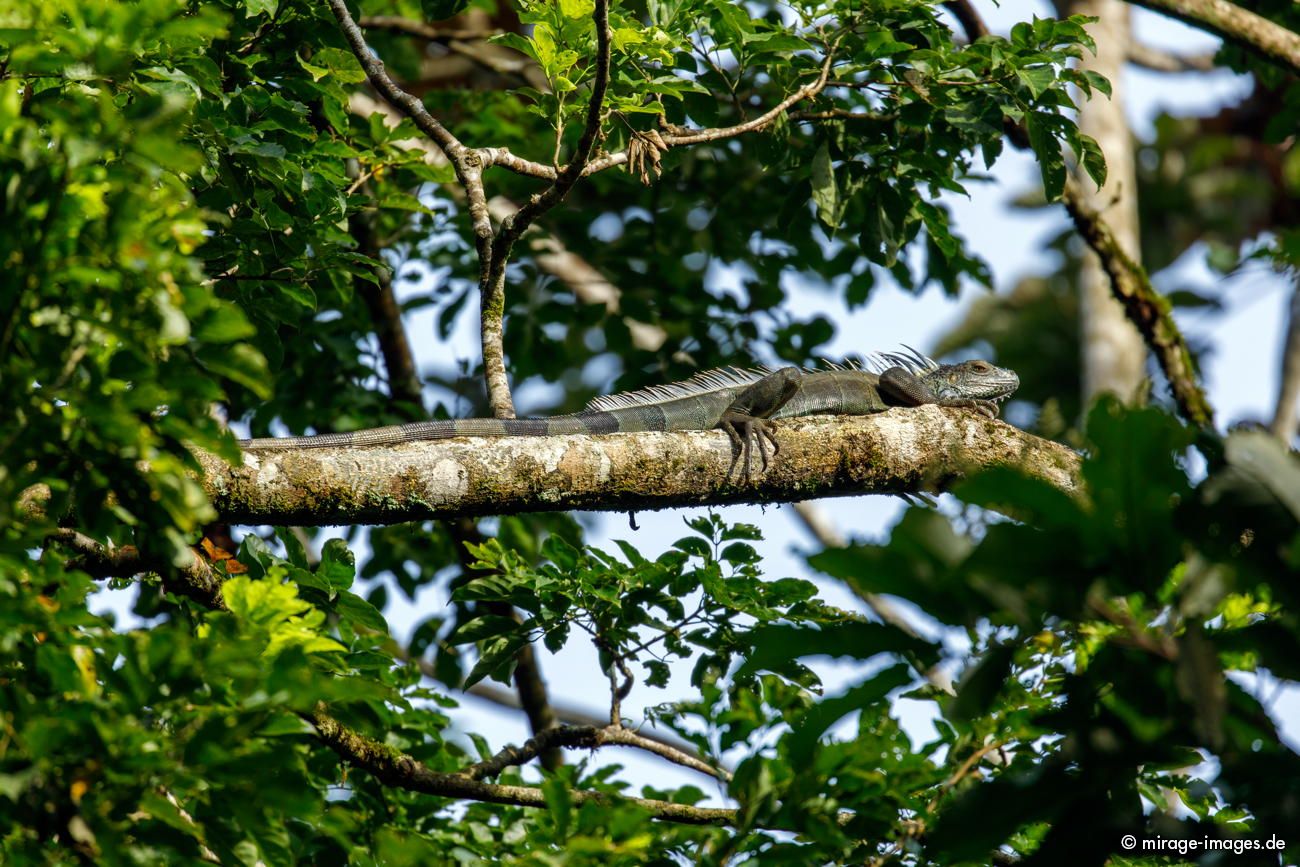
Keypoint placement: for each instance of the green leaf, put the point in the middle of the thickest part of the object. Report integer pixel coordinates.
(1037, 79)
(275, 610)
(441, 10)
(239, 362)
(825, 193)
(981, 684)
(778, 644)
(1092, 159)
(223, 323)
(482, 627)
(336, 63)
(827, 712)
(497, 659)
(577, 8)
(254, 8)
(359, 612)
(775, 42)
(337, 565)
(1048, 150)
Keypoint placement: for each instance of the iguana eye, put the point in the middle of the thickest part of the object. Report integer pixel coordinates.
(980, 366)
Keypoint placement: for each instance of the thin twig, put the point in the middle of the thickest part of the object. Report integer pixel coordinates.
(675, 138)
(585, 737)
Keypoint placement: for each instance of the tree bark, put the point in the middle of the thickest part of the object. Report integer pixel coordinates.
(1284, 420)
(1114, 358)
(903, 450)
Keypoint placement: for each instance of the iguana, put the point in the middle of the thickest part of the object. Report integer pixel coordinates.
(739, 401)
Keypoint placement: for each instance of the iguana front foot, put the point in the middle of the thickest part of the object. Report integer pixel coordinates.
(987, 408)
(744, 431)
(750, 411)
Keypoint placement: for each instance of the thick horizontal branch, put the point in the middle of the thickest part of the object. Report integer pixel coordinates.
(903, 450)
(1235, 24)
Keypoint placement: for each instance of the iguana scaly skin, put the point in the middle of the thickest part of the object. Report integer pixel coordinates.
(739, 402)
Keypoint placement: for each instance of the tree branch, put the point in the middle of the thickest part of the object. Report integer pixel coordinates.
(195, 580)
(585, 737)
(412, 107)
(411, 27)
(1146, 308)
(1156, 60)
(394, 768)
(571, 715)
(1235, 24)
(675, 138)
(493, 277)
(903, 450)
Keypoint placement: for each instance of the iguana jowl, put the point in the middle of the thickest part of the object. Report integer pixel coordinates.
(739, 402)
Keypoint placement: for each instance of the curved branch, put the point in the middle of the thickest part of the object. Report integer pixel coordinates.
(903, 450)
(378, 76)
(1235, 24)
(394, 768)
(674, 138)
(1146, 308)
(585, 737)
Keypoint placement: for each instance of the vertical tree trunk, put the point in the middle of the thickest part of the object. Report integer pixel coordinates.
(1114, 358)
(1288, 389)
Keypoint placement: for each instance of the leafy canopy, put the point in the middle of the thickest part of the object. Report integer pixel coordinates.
(198, 212)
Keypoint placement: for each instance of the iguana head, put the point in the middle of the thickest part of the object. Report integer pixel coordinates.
(977, 380)
(974, 379)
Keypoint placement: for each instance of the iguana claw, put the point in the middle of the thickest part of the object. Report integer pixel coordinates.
(745, 430)
(987, 408)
